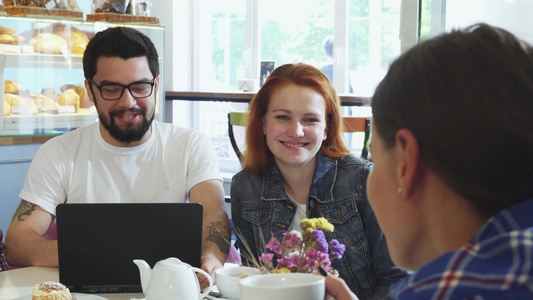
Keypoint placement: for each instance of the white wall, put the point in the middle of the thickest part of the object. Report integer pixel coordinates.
(14, 162)
(512, 15)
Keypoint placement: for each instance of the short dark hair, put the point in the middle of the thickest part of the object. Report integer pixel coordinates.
(120, 42)
(467, 96)
(327, 45)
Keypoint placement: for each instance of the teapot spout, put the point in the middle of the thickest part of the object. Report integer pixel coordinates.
(145, 272)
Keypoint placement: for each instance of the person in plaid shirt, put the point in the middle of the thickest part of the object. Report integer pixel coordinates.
(3, 262)
(452, 183)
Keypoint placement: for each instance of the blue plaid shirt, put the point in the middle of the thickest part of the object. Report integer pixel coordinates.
(3, 263)
(495, 264)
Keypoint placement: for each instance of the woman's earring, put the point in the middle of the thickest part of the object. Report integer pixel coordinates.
(399, 191)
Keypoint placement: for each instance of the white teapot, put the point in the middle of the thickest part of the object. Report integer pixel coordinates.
(171, 279)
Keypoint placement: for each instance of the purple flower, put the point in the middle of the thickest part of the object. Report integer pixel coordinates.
(303, 254)
(291, 240)
(293, 261)
(275, 246)
(266, 258)
(319, 240)
(282, 263)
(307, 264)
(337, 249)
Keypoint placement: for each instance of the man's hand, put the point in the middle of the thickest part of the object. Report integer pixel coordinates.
(216, 234)
(209, 265)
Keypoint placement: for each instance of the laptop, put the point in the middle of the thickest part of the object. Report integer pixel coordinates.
(98, 242)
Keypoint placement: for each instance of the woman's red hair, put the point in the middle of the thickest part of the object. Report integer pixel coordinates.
(257, 152)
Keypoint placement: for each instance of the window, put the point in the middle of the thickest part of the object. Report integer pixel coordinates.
(444, 15)
(234, 37)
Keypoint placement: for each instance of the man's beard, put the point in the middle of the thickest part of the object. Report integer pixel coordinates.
(131, 133)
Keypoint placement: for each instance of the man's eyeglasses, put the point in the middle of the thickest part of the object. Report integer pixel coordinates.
(114, 91)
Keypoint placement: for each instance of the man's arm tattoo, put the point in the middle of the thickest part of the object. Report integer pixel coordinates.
(220, 235)
(25, 209)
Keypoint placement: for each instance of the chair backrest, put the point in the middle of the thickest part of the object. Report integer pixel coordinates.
(359, 124)
(351, 124)
(236, 118)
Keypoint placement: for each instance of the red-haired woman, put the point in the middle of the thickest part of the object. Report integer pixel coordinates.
(296, 165)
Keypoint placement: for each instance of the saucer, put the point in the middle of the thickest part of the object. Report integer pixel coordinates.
(75, 296)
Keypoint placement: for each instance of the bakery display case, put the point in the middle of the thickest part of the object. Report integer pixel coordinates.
(41, 68)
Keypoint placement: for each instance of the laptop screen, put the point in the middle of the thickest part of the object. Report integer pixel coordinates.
(97, 243)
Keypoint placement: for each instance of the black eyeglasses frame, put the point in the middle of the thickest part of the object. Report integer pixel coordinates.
(124, 87)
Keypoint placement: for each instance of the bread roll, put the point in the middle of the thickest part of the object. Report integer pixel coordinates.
(81, 91)
(46, 105)
(11, 99)
(7, 109)
(5, 30)
(12, 87)
(7, 39)
(16, 100)
(76, 39)
(51, 291)
(48, 43)
(49, 92)
(69, 98)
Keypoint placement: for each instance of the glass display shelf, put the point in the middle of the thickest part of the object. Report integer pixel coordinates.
(41, 68)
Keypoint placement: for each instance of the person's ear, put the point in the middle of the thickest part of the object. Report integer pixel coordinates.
(156, 88)
(409, 163)
(89, 90)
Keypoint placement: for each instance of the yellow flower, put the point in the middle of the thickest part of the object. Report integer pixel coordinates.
(308, 225)
(282, 270)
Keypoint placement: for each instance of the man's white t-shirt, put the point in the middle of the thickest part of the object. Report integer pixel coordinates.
(80, 167)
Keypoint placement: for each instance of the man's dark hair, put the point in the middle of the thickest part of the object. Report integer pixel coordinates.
(120, 42)
(327, 45)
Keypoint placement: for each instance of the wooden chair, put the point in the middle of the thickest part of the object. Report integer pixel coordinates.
(359, 124)
(351, 124)
(236, 118)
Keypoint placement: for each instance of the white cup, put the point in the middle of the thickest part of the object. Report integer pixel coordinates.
(283, 286)
(228, 278)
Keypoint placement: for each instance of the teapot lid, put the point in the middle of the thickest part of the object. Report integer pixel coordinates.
(173, 262)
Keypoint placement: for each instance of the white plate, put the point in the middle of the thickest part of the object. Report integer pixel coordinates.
(75, 296)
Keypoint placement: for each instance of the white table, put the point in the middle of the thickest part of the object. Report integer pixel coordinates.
(20, 282)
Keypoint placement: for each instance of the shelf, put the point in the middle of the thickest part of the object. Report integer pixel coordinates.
(26, 124)
(45, 73)
(21, 60)
(25, 139)
(346, 100)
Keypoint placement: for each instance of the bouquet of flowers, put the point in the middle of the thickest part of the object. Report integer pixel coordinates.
(303, 252)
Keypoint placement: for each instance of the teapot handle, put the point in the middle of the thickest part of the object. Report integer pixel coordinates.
(207, 290)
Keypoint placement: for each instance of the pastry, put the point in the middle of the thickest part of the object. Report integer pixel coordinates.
(8, 2)
(28, 3)
(80, 90)
(16, 100)
(76, 39)
(5, 30)
(69, 98)
(49, 92)
(51, 290)
(11, 99)
(11, 87)
(49, 43)
(46, 105)
(7, 109)
(6, 39)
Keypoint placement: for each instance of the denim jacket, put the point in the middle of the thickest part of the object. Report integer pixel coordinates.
(260, 209)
